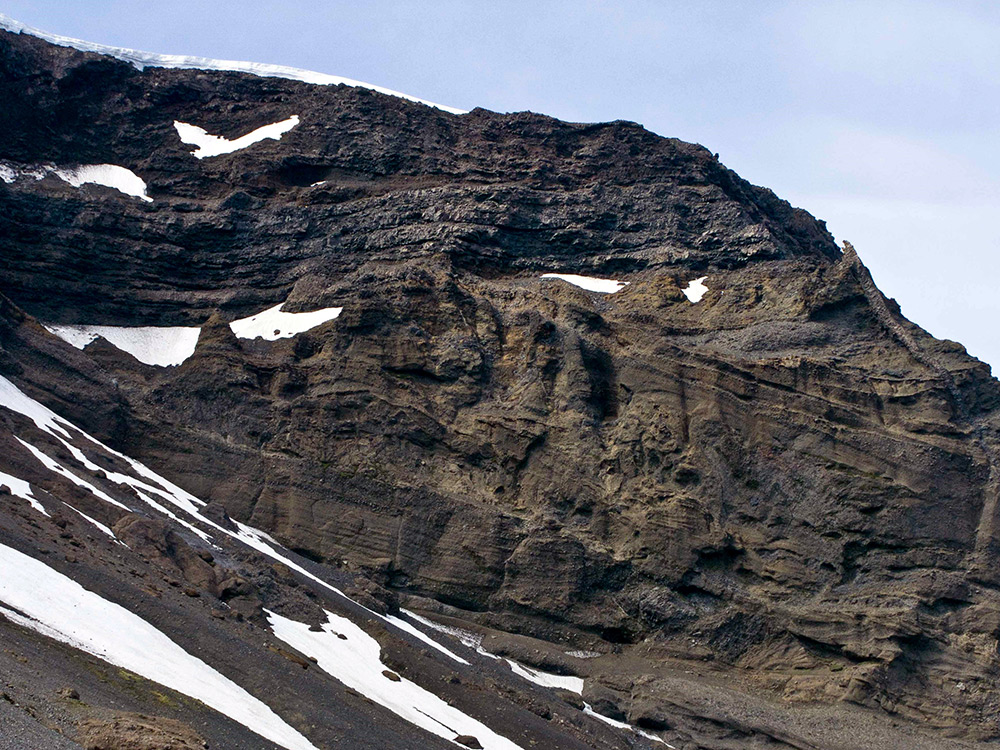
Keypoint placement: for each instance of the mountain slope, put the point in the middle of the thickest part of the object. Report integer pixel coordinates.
(763, 516)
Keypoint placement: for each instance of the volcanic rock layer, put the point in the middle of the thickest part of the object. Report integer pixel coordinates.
(760, 510)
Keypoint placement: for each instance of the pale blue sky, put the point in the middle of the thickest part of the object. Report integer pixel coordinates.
(880, 117)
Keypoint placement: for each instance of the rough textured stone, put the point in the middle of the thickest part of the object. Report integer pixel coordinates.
(134, 732)
(785, 484)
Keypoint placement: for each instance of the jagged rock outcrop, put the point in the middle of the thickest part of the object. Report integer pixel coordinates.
(785, 486)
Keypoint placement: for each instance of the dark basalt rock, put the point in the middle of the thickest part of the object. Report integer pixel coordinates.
(786, 486)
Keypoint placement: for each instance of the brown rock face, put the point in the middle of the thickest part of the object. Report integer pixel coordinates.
(136, 732)
(785, 483)
(162, 545)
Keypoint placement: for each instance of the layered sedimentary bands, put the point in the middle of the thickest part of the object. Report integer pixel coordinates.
(761, 517)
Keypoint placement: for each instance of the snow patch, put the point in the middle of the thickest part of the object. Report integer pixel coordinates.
(100, 526)
(591, 284)
(547, 679)
(142, 60)
(273, 324)
(622, 725)
(466, 637)
(407, 627)
(45, 419)
(109, 175)
(170, 514)
(54, 466)
(696, 289)
(52, 604)
(475, 641)
(216, 145)
(356, 661)
(142, 489)
(151, 345)
(20, 488)
(259, 541)
(583, 654)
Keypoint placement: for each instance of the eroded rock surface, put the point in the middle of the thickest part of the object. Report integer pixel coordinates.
(136, 732)
(785, 488)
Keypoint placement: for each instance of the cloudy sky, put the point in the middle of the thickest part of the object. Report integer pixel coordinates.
(882, 118)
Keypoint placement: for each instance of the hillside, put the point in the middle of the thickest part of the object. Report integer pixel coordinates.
(574, 437)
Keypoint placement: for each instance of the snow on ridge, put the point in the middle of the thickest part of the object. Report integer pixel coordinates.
(475, 641)
(20, 488)
(532, 674)
(273, 324)
(590, 283)
(100, 526)
(466, 637)
(547, 679)
(141, 60)
(216, 145)
(696, 289)
(622, 725)
(109, 175)
(54, 605)
(44, 418)
(54, 466)
(11, 172)
(356, 661)
(261, 542)
(157, 346)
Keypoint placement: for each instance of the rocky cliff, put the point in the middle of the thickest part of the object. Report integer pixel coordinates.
(769, 513)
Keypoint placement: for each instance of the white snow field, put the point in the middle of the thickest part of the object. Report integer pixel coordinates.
(695, 290)
(357, 663)
(273, 324)
(109, 175)
(151, 345)
(216, 145)
(54, 605)
(20, 488)
(590, 283)
(142, 60)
